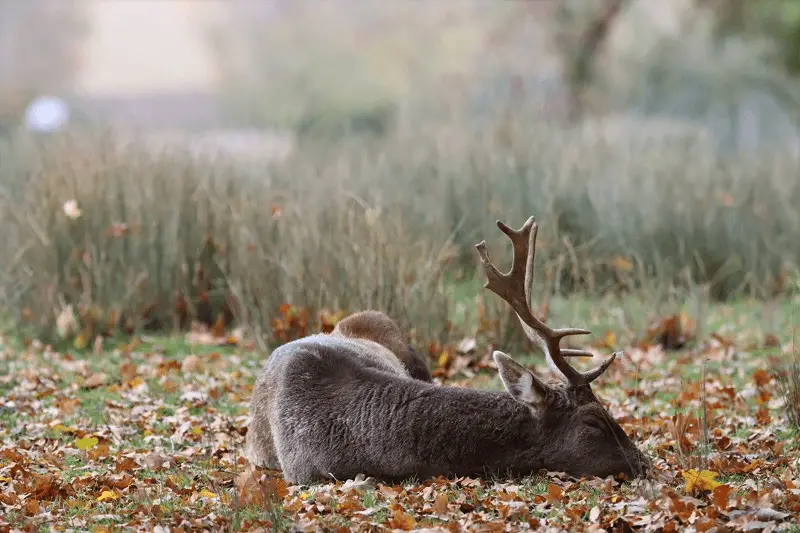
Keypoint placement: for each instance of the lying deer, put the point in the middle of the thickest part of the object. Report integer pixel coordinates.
(334, 411)
(369, 338)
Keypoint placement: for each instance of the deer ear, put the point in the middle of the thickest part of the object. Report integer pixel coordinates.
(520, 382)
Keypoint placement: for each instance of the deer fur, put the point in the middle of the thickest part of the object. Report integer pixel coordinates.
(332, 407)
(369, 338)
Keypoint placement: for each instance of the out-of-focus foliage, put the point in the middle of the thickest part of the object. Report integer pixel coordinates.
(40, 51)
(308, 65)
(321, 68)
(776, 21)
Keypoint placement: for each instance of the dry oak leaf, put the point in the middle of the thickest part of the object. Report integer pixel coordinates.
(701, 480)
(155, 461)
(95, 380)
(720, 498)
(440, 504)
(192, 364)
(256, 487)
(401, 520)
(554, 493)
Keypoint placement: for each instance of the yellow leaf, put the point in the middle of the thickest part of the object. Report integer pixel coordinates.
(610, 339)
(81, 341)
(59, 427)
(623, 264)
(86, 443)
(205, 493)
(197, 430)
(108, 495)
(5, 479)
(701, 480)
(444, 358)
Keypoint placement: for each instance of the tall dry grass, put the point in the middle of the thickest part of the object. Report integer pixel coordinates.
(383, 223)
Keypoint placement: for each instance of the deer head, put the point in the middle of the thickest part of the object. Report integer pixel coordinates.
(583, 437)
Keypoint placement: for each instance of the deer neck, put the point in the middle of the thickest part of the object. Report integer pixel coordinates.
(484, 431)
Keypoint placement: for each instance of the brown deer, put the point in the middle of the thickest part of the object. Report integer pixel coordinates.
(370, 337)
(334, 411)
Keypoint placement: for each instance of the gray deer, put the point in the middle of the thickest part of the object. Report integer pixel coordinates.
(330, 406)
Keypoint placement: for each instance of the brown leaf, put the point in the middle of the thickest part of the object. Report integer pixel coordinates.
(440, 504)
(704, 523)
(720, 497)
(127, 370)
(402, 520)
(95, 380)
(126, 464)
(761, 377)
(771, 340)
(554, 493)
(32, 507)
(154, 461)
(98, 452)
(192, 364)
(256, 487)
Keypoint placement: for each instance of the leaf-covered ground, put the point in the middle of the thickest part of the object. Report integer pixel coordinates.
(148, 436)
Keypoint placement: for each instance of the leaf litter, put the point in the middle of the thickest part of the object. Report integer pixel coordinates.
(133, 438)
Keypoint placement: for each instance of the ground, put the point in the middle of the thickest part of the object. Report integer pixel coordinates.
(146, 433)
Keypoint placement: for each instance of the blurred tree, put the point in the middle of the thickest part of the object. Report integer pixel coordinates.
(578, 31)
(40, 51)
(341, 65)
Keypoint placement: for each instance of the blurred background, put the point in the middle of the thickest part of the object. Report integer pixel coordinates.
(165, 162)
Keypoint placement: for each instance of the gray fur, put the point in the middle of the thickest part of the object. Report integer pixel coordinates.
(328, 407)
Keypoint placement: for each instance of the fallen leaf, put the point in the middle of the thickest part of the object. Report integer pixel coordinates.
(720, 497)
(155, 461)
(440, 504)
(702, 480)
(86, 443)
(554, 493)
(192, 364)
(108, 495)
(205, 493)
(95, 380)
(32, 507)
(765, 513)
(761, 377)
(402, 520)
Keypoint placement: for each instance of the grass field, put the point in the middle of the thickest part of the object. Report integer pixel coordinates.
(149, 432)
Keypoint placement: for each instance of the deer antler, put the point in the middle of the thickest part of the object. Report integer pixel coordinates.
(515, 288)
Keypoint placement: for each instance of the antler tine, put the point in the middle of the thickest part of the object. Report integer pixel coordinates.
(507, 286)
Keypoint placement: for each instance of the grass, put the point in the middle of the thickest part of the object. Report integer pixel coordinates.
(160, 239)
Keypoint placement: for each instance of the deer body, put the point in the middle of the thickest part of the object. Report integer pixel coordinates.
(341, 404)
(368, 339)
(337, 417)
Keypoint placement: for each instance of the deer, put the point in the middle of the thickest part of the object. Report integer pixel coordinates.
(335, 412)
(370, 338)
